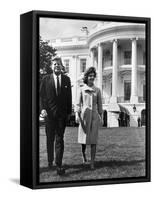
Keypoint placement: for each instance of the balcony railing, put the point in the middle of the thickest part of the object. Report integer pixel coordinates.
(121, 99)
(107, 63)
(127, 61)
(141, 99)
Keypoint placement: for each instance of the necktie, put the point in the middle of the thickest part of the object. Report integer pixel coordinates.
(58, 86)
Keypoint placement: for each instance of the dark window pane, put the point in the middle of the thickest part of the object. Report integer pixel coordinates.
(107, 58)
(127, 57)
(111, 89)
(82, 65)
(127, 90)
(67, 64)
(144, 93)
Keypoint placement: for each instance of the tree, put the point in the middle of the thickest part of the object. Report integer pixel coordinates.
(46, 53)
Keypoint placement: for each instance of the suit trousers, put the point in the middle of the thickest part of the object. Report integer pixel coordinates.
(55, 138)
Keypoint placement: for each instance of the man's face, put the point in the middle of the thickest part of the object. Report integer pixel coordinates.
(57, 67)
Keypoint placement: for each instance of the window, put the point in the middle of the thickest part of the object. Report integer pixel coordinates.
(111, 89)
(67, 64)
(82, 65)
(107, 58)
(144, 93)
(127, 57)
(127, 90)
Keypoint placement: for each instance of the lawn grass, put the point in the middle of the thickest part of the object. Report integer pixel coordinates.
(120, 154)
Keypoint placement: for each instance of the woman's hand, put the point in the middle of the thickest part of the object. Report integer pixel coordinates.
(101, 119)
(77, 118)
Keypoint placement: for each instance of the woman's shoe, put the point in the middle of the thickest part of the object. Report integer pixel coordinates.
(84, 160)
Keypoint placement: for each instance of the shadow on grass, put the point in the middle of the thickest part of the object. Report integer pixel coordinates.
(15, 180)
(98, 165)
(113, 163)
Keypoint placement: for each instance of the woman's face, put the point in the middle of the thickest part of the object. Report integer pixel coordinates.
(91, 78)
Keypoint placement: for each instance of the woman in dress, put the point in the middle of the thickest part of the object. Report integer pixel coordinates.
(89, 114)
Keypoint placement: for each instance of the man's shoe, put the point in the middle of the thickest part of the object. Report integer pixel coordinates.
(60, 171)
(50, 165)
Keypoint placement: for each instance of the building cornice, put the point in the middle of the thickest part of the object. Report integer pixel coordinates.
(117, 32)
(71, 47)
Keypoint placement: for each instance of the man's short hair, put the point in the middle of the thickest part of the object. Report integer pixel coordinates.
(57, 58)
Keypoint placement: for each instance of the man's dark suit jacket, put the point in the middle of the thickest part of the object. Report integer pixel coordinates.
(56, 106)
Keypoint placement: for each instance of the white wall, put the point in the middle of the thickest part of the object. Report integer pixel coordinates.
(9, 101)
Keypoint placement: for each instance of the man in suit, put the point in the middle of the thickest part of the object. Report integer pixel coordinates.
(56, 107)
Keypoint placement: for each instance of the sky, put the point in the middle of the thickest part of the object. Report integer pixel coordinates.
(51, 28)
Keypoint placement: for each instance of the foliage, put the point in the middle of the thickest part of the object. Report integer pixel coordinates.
(46, 52)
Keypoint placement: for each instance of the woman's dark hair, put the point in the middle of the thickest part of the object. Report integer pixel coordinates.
(87, 72)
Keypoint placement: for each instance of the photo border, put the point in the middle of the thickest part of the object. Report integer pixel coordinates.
(32, 175)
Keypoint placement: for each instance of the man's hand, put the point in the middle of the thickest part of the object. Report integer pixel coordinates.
(43, 113)
(68, 117)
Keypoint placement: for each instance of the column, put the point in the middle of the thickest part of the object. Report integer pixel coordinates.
(92, 57)
(100, 65)
(114, 73)
(134, 97)
(78, 73)
(74, 93)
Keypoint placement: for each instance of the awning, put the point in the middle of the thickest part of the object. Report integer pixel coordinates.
(123, 109)
(117, 108)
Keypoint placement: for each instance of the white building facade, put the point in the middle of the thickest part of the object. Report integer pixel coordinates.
(117, 51)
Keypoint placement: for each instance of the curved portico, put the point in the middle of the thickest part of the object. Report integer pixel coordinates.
(120, 60)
